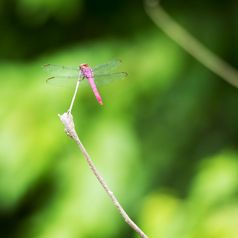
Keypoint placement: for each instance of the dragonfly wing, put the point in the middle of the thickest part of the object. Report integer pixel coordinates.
(106, 68)
(61, 75)
(108, 78)
(64, 81)
(59, 70)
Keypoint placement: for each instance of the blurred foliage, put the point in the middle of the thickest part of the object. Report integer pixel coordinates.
(165, 140)
(210, 210)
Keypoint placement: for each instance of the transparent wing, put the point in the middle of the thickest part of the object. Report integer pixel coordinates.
(59, 70)
(108, 78)
(64, 81)
(61, 75)
(106, 68)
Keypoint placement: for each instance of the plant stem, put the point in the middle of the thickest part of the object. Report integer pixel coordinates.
(67, 120)
(74, 96)
(189, 43)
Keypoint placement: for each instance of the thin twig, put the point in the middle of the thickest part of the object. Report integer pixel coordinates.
(74, 96)
(67, 120)
(189, 43)
(75, 93)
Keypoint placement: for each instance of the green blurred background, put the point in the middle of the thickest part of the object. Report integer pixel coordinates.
(165, 139)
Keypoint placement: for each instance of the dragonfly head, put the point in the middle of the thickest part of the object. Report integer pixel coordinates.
(83, 66)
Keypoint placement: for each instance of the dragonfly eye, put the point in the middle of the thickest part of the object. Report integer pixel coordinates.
(83, 65)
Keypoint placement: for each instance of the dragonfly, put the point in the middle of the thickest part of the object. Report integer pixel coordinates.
(100, 74)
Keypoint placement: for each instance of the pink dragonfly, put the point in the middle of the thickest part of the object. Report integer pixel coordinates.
(95, 75)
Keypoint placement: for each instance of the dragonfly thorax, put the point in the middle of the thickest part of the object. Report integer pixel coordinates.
(86, 71)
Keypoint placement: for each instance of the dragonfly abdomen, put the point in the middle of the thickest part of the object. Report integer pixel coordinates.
(95, 90)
